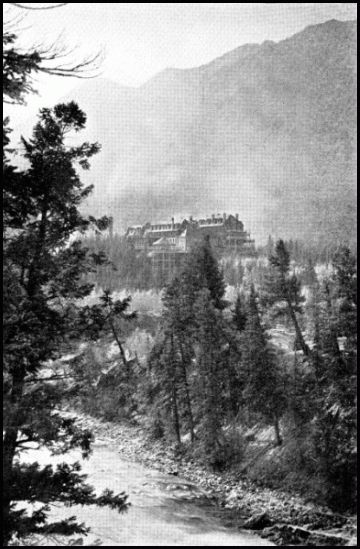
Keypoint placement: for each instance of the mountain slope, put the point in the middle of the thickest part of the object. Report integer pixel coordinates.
(267, 130)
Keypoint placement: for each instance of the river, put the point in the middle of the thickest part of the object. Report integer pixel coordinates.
(165, 510)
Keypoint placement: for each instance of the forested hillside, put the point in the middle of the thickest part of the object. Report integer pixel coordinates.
(214, 369)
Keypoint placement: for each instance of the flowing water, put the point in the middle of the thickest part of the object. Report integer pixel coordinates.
(165, 510)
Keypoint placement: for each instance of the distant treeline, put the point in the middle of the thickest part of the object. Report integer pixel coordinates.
(128, 268)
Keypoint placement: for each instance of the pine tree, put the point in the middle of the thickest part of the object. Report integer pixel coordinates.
(263, 383)
(283, 287)
(202, 271)
(44, 273)
(334, 395)
(309, 277)
(111, 316)
(176, 326)
(112, 313)
(163, 392)
(232, 335)
(210, 367)
(239, 314)
(346, 293)
(270, 246)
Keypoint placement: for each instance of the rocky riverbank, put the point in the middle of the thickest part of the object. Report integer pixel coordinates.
(280, 517)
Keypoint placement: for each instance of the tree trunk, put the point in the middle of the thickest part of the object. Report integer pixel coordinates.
(187, 393)
(174, 391)
(33, 279)
(122, 352)
(176, 415)
(299, 335)
(278, 438)
(11, 429)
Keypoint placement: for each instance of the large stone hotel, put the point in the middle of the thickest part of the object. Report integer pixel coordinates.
(168, 244)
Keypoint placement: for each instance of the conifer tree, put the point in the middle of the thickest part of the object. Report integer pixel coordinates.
(346, 293)
(232, 334)
(264, 385)
(202, 271)
(309, 277)
(335, 425)
(270, 246)
(176, 326)
(239, 314)
(163, 393)
(283, 287)
(44, 272)
(210, 364)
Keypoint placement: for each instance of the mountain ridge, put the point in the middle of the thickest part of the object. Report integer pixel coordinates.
(267, 130)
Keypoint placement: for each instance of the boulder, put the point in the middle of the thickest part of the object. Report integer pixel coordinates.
(289, 534)
(258, 522)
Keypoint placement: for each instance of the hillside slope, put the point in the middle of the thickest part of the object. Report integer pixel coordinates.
(266, 130)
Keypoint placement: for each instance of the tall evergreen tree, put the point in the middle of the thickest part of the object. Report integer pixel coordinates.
(336, 424)
(264, 383)
(346, 292)
(43, 274)
(176, 326)
(163, 392)
(283, 287)
(232, 354)
(239, 314)
(202, 271)
(210, 364)
(327, 394)
(310, 274)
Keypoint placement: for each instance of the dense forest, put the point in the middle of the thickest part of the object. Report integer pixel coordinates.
(214, 374)
(128, 268)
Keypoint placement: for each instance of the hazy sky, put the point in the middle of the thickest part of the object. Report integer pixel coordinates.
(143, 39)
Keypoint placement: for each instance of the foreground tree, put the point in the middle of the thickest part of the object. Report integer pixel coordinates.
(44, 270)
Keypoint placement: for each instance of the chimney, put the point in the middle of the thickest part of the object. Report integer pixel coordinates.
(237, 217)
(213, 217)
(191, 218)
(224, 216)
(172, 222)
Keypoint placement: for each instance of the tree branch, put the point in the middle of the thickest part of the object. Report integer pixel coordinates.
(53, 378)
(21, 6)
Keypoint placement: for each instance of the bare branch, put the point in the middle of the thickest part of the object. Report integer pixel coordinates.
(56, 377)
(13, 22)
(21, 6)
(86, 68)
(20, 66)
